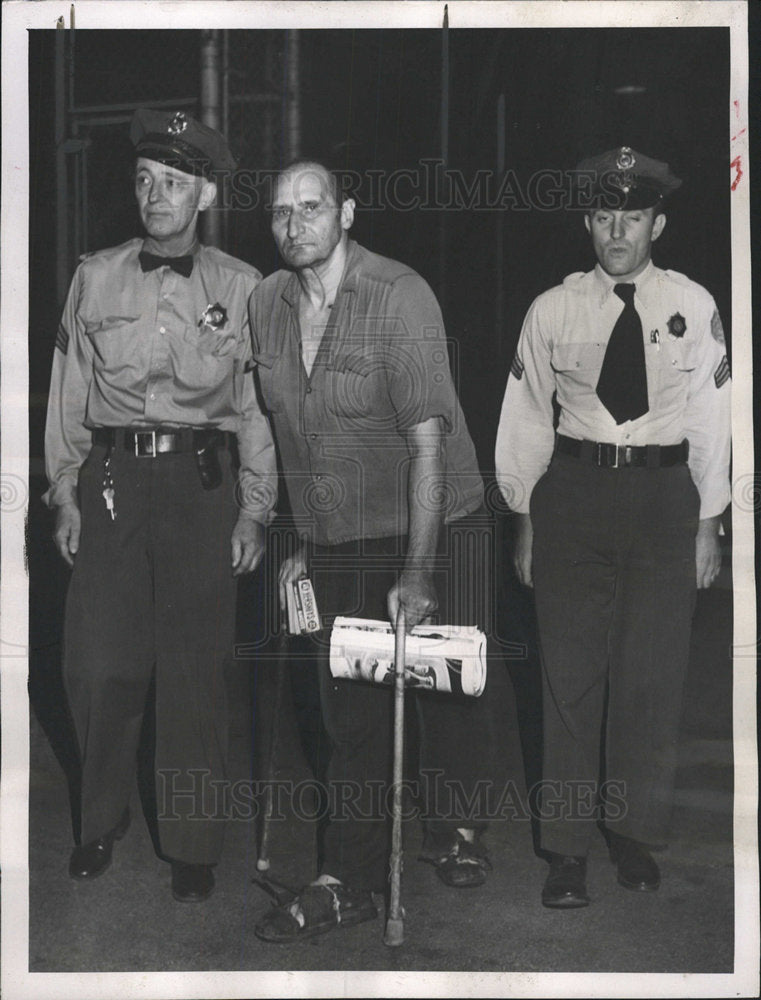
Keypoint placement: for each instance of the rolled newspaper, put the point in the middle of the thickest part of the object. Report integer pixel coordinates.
(449, 658)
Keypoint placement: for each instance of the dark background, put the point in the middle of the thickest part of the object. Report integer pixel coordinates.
(370, 100)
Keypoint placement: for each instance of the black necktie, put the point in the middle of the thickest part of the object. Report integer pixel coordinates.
(182, 265)
(622, 386)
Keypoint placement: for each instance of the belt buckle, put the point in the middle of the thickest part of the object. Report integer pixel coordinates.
(140, 435)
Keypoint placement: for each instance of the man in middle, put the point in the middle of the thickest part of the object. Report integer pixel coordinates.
(385, 490)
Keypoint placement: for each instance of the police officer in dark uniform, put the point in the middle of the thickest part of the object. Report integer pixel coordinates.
(161, 471)
(618, 517)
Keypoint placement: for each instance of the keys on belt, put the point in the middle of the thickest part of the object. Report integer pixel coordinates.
(203, 443)
(616, 456)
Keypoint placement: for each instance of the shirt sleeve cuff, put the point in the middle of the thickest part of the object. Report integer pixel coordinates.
(257, 496)
(714, 503)
(60, 494)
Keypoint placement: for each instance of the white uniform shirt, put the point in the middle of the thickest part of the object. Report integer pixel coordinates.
(561, 349)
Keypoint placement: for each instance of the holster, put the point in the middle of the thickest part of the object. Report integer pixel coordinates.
(206, 446)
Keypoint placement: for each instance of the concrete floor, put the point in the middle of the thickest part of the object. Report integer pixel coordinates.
(127, 920)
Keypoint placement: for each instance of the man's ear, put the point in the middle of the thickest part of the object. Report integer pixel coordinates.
(207, 196)
(588, 223)
(659, 224)
(347, 213)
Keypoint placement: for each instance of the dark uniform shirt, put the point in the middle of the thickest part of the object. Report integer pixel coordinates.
(139, 349)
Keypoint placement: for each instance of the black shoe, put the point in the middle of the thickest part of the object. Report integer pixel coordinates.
(565, 888)
(191, 883)
(636, 868)
(91, 860)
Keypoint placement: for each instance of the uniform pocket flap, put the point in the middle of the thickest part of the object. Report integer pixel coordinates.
(568, 357)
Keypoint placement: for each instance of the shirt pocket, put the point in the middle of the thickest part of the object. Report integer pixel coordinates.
(115, 339)
(355, 387)
(678, 359)
(217, 344)
(578, 358)
(270, 379)
(196, 366)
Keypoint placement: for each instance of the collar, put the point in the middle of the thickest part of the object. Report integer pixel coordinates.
(644, 282)
(348, 282)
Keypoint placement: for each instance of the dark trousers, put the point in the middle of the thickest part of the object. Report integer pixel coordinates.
(152, 590)
(614, 577)
(456, 738)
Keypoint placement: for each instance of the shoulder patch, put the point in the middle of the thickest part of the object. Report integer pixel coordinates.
(516, 368)
(721, 375)
(62, 339)
(717, 330)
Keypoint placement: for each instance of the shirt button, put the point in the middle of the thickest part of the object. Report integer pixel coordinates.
(309, 388)
(628, 436)
(313, 437)
(317, 478)
(162, 329)
(153, 395)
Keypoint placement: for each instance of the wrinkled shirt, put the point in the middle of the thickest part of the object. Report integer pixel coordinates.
(382, 368)
(145, 349)
(561, 349)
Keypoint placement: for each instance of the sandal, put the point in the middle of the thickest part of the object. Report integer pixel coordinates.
(317, 909)
(464, 866)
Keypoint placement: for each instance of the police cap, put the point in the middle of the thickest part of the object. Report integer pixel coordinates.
(625, 179)
(180, 141)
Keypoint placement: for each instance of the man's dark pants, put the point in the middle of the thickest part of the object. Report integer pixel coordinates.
(456, 733)
(614, 578)
(152, 589)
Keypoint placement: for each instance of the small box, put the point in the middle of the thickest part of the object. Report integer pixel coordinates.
(303, 616)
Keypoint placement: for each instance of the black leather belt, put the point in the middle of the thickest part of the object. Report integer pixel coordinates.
(617, 456)
(160, 440)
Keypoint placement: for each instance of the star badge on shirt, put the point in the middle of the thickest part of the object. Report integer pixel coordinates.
(214, 317)
(677, 325)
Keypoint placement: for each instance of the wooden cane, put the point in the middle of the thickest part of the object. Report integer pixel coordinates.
(394, 935)
(263, 861)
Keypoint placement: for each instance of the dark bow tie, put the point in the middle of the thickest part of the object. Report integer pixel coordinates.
(182, 265)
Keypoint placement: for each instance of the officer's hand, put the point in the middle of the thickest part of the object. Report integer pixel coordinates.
(707, 551)
(293, 568)
(415, 592)
(68, 523)
(247, 545)
(524, 541)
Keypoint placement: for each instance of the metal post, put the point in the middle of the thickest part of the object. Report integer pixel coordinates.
(211, 114)
(445, 160)
(226, 124)
(62, 215)
(293, 123)
(500, 236)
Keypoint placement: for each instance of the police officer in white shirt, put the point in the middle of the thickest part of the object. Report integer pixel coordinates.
(618, 513)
